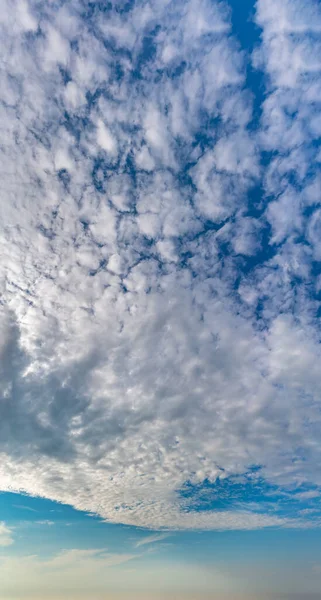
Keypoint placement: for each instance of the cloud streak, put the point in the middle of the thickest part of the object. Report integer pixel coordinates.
(151, 539)
(6, 538)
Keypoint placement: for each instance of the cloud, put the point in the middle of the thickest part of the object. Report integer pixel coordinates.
(308, 495)
(85, 572)
(5, 535)
(79, 571)
(151, 539)
(158, 326)
(291, 68)
(25, 507)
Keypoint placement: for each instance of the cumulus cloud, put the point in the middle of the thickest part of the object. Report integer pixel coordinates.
(156, 329)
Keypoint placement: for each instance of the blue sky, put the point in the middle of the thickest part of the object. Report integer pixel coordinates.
(160, 298)
(52, 542)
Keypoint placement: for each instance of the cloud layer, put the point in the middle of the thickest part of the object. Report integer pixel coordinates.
(159, 256)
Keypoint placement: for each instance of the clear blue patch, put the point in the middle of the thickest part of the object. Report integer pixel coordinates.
(250, 492)
(248, 33)
(43, 527)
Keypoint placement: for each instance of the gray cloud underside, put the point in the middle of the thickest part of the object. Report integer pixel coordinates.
(134, 357)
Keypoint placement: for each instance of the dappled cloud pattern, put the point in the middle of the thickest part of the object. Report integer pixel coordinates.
(160, 256)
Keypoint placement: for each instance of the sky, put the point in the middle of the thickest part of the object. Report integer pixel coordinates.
(160, 299)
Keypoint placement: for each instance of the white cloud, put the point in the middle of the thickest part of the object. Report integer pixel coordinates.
(308, 495)
(105, 139)
(6, 538)
(79, 571)
(151, 539)
(289, 57)
(25, 507)
(130, 364)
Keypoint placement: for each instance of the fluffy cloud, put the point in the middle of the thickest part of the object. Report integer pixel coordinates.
(156, 328)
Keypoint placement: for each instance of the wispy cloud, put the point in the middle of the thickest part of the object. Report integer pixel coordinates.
(151, 539)
(6, 538)
(23, 507)
(78, 570)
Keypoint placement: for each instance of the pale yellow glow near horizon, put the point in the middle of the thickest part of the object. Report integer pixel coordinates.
(90, 575)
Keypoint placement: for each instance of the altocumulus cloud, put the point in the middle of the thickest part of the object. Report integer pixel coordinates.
(159, 256)
(6, 538)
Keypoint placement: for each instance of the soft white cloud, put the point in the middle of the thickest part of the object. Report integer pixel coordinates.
(6, 538)
(80, 571)
(105, 139)
(25, 507)
(129, 362)
(289, 56)
(308, 495)
(84, 573)
(151, 539)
